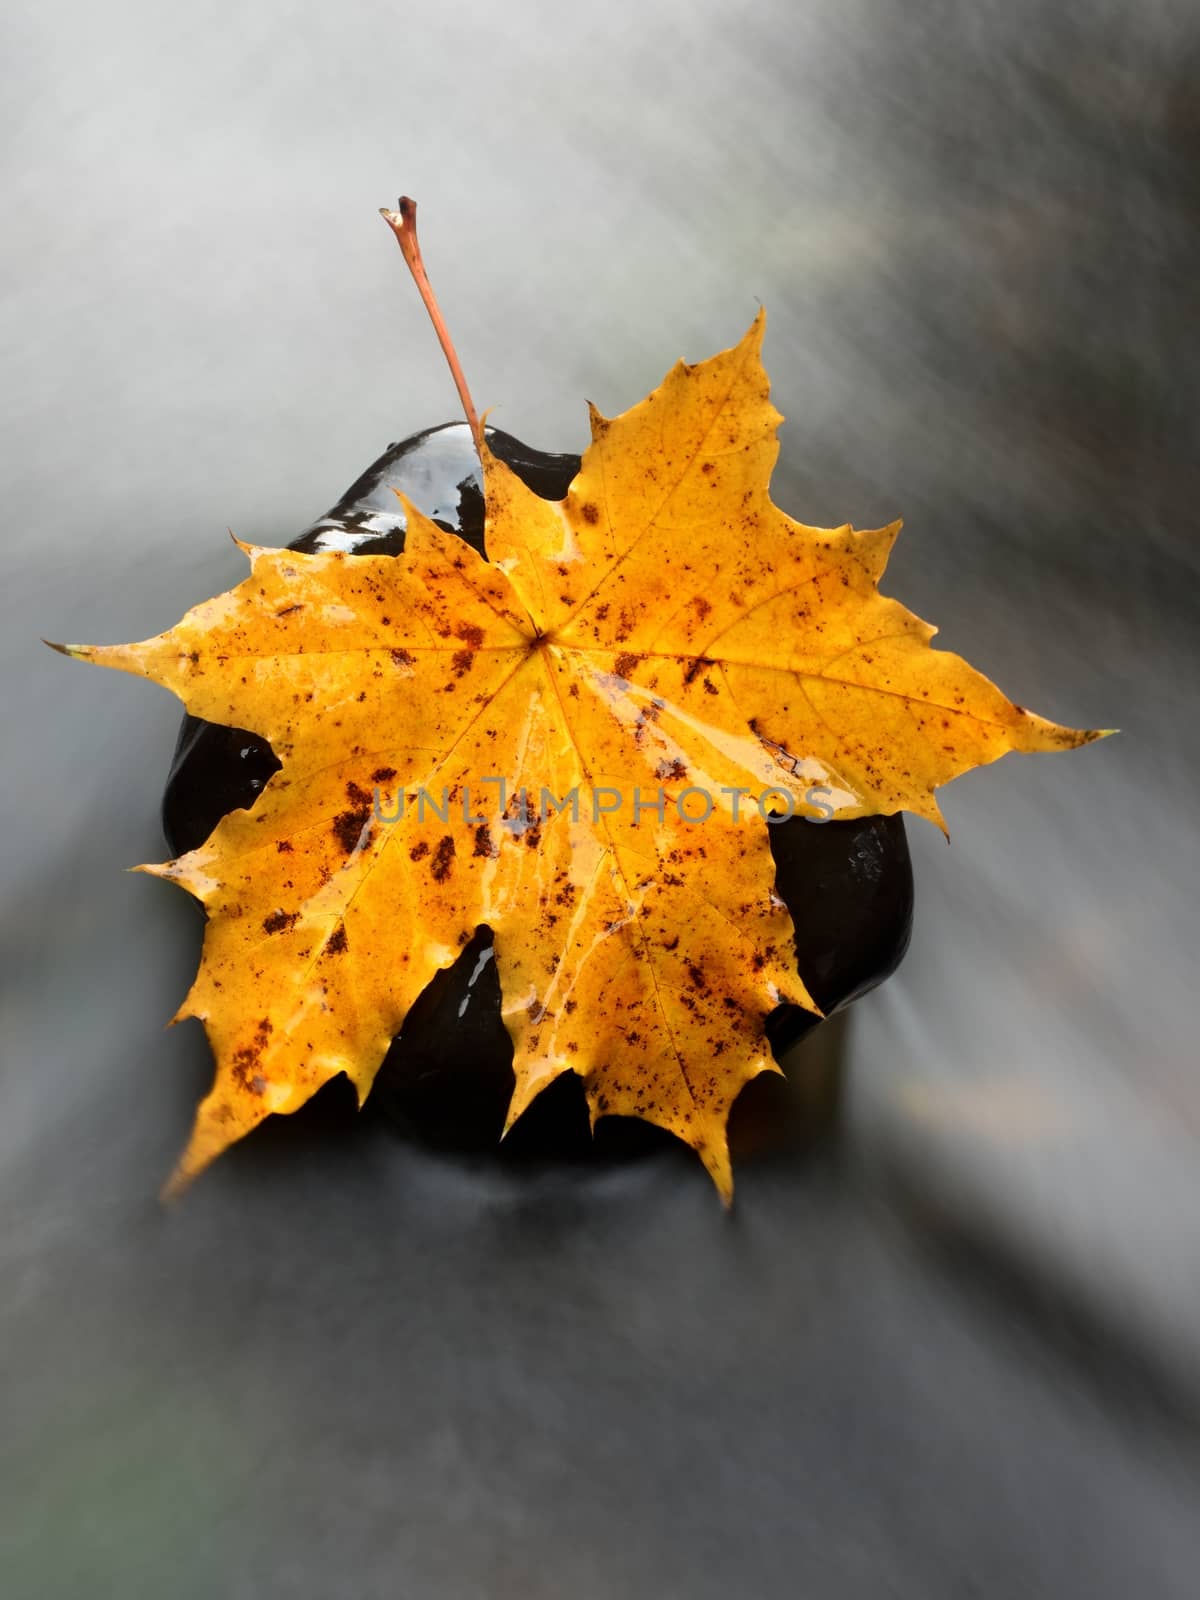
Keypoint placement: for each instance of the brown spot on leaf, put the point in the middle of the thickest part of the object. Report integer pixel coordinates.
(244, 1064)
(348, 827)
(483, 842)
(443, 859)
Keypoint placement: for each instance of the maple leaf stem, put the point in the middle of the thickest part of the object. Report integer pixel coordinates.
(403, 223)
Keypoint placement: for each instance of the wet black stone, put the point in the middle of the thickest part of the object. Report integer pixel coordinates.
(448, 1076)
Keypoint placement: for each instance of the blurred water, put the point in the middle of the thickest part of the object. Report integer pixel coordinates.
(965, 1361)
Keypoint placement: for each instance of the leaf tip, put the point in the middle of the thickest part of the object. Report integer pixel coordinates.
(218, 1124)
(715, 1157)
(416, 524)
(250, 551)
(933, 813)
(77, 652)
(187, 1008)
(171, 1190)
(598, 422)
(522, 1095)
(751, 342)
(169, 871)
(187, 1169)
(528, 1086)
(1035, 733)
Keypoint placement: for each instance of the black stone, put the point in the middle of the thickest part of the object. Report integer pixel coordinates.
(448, 1076)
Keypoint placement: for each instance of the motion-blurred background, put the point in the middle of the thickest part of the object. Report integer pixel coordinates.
(960, 1356)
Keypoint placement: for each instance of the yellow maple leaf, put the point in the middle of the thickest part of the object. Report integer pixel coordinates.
(576, 743)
